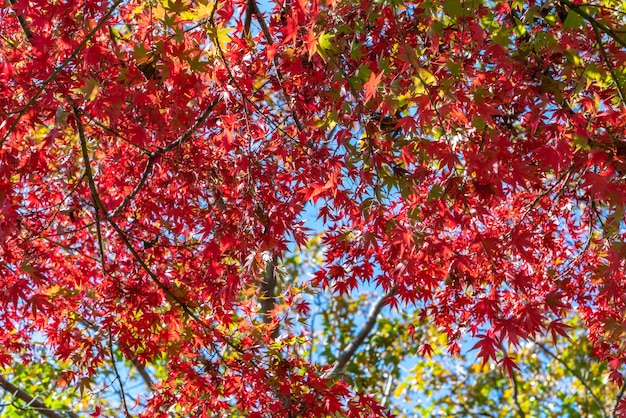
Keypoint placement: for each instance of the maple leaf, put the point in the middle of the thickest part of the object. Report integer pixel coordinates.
(620, 411)
(311, 41)
(557, 328)
(486, 348)
(425, 350)
(371, 85)
(97, 412)
(509, 365)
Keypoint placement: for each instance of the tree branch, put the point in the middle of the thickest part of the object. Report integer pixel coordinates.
(138, 366)
(620, 395)
(387, 390)
(143, 373)
(253, 9)
(576, 375)
(153, 156)
(248, 19)
(267, 292)
(33, 402)
(609, 65)
(577, 8)
(369, 324)
(23, 23)
(100, 206)
(118, 377)
(122, 234)
(94, 193)
(518, 406)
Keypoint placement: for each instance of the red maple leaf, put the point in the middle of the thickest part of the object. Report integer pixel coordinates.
(371, 85)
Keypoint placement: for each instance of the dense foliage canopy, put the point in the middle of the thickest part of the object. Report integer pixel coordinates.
(159, 160)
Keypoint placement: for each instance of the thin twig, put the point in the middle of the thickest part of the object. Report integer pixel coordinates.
(275, 125)
(370, 322)
(600, 6)
(576, 375)
(620, 395)
(565, 178)
(117, 376)
(153, 156)
(192, 130)
(254, 8)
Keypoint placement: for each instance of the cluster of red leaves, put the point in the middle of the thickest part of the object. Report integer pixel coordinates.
(150, 157)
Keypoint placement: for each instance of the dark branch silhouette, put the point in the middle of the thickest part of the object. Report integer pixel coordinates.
(32, 402)
(345, 356)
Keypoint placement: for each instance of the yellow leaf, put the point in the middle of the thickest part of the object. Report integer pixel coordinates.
(53, 290)
(203, 11)
(325, 45)
(219, 36)
(399, 390)
(425, 78)
(158, 12)
(90, 89)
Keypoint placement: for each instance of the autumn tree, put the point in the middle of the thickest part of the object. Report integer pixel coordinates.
(465, 163)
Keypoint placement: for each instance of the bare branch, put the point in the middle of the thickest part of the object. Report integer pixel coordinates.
(576, 375)
(33, 402)
(518, 406)
(369, 324)
(267, 292)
